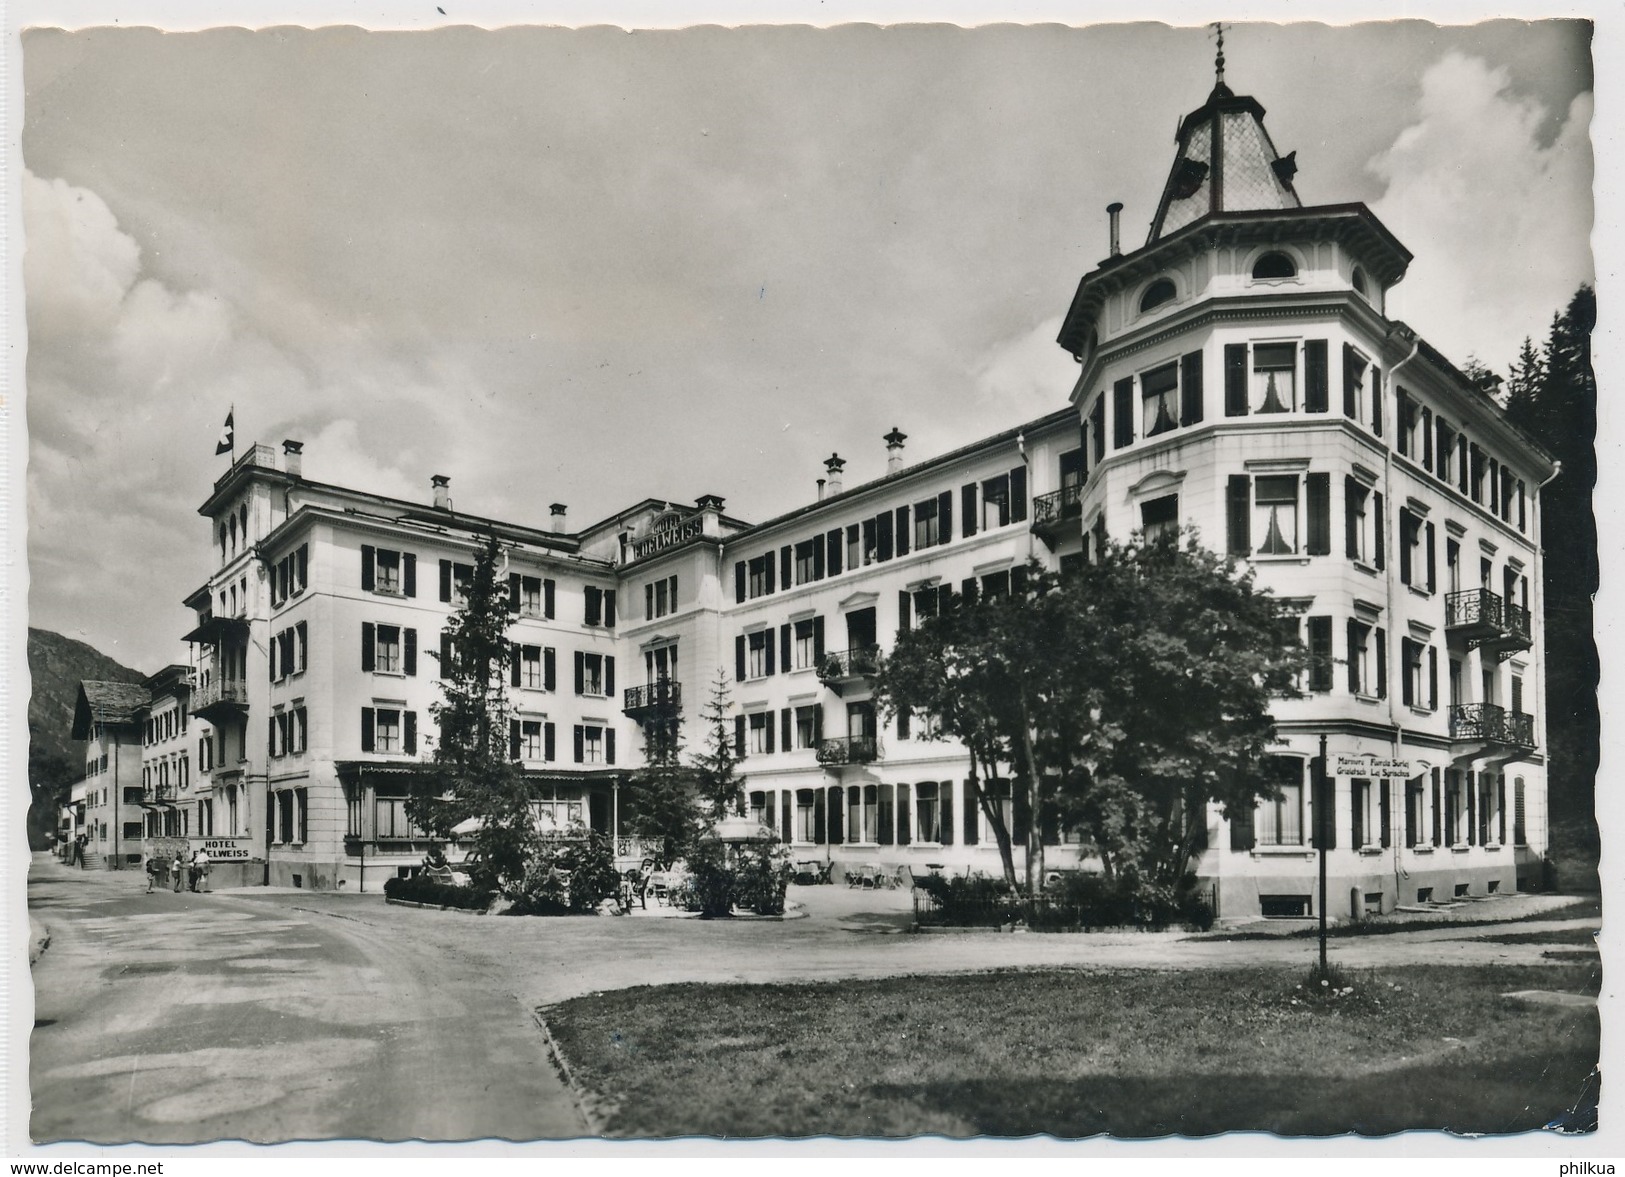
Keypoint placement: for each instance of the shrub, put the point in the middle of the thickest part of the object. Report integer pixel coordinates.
(1074, 902)
(574, 872)
(761, 877)
(711, 880)
(960, 902)
(420, 890)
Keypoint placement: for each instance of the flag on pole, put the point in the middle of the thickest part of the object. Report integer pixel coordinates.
(228, 434)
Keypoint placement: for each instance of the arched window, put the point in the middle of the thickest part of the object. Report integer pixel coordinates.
(1159, 292)
(1360, 283)
(1275, 265)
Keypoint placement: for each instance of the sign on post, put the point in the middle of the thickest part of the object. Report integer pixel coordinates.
(1373, 767)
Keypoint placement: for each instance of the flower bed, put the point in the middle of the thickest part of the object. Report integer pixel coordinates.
(425, 893)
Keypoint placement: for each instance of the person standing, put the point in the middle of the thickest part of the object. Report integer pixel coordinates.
(180, 870)
(200, 868)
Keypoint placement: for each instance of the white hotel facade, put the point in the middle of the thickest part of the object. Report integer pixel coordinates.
(1237, 373)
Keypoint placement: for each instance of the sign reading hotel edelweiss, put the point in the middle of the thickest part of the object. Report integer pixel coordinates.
(668, 535)
(1375, 767)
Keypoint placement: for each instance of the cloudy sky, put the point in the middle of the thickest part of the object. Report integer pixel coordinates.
(592, 266)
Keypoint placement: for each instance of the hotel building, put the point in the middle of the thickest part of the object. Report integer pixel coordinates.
(1237, 373)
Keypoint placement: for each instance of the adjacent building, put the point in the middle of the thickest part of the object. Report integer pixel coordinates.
(1237, 373)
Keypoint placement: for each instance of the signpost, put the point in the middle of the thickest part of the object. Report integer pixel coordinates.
(1372, 767)
(1324, 792)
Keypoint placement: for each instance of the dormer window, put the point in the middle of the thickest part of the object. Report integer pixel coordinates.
(1159, 292)
(1360, 284)
(1275, 265)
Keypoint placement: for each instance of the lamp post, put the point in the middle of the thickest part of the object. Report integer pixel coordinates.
(1324, 807)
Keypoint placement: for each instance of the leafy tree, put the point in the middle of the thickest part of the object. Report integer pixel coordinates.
(1122, 700)
(474, 774)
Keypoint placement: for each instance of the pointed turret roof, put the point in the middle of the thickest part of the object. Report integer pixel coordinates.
(1226, 162)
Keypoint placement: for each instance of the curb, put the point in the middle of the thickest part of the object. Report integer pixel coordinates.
(39, 939)
(429, 906)
(577, 1092)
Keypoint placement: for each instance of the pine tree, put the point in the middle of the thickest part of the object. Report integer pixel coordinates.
(721, 789)
(475, 776)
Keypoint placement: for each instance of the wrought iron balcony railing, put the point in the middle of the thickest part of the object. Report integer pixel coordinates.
(666, 694)
(1485, 619)
(219, 693)
(1049, 510)
(849, 750)
(839, 666)
(1493, 724)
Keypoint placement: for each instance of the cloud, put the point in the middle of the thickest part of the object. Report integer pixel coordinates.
(1027, 375)
(1500, 222)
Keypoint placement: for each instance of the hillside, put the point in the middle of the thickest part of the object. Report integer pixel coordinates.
(56, 665)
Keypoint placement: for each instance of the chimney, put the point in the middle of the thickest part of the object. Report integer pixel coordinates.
(1112, 210)
(293, 453)
(834, 464)
(894, 449)
(557, 510)
(820, 490)
(442, 492)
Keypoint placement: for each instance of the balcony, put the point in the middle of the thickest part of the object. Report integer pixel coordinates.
(848, 668)
(848, 750)
(1486, 723)
(1056, 513)
(651, 700)
(157, 796)
(1485, 621)
(220, 698)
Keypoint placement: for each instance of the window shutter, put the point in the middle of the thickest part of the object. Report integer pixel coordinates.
(883, 536)
(409, 725)
(903, 603)
(972, 822)
(903, 823)
(945, 517)
(1190, 393)
(445, 580)
(1438, 825)
(967, 503)
(1235, 380)
(1381, 638)
(818, 816)
(1238, 507)
(1351, 519)
(1472, 809)
(767, 732)
(1406, 521)
(902, 724)
(1354, 663)
(648, 601)
(1320, 653)
(1241, 830)
(818, 639)
(967, 590)
(368, 646)
(1407, 693)
(409, 639)
(609, 675)
(513, 592)
(1427, 439)
(787, 564)
(767, 651)
(513, 739)
(549, 748)
(301, 562)
(1315, 376)
(609, 745)
(832, 541)
(1501, 809)
(592, 605)
(1404, 413)
(446, 667)
(1379, 528)
(580, 741)
(836, 797)
(609, 608)
(1433, 678)
(1018, 580)
(368, 564)
(739, 582)
(581, 672)
(769, 565)
(785, 661)
(1376, 411)
(275, 642)
(1122, 413)
(409, 574)
(549, 669)
(1318, 490)
(1351, 365)
(739, 737)
(270, 736)
(902, 531)
(787, 729)
(302, 637)
(516, 661)
(366, 729)
(818, 557)
(547, 599)
(1018, 500)
(739, 658)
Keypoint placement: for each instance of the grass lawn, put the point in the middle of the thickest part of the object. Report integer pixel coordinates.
(1070, 1053)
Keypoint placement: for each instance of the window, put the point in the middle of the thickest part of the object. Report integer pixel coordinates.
(1355, 370)
(807, 644)
(854, 550)
(1159, 390)
(389, 649)
(1476, 467)
(530, 668)
(529, 595)
(389, 817)
(1274, 265)
(1520, 837)
(1359, 282)
(595, 674)
(1414, 688)
(1367, 672)
(388, 730)
(1274, 383)
(759, 662)
(759, 726)
(598, 606)
(806, 570)
(1275, 514)
(454, 582)
(1362, 522)
(1444, 454)
(809, 726)
(284, 812)
(996, 502)
(1367, 825)
(926, 529)
(1279, 820)
(1160, 517)
(594, 744)
(761, 576)
(1159, 292)
(386, 571)
(927, 812)
(288, 578)
(526, 739)
(995, 585)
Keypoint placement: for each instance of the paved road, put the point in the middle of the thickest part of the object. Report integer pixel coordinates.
(277, 1015)
(184, 1018)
